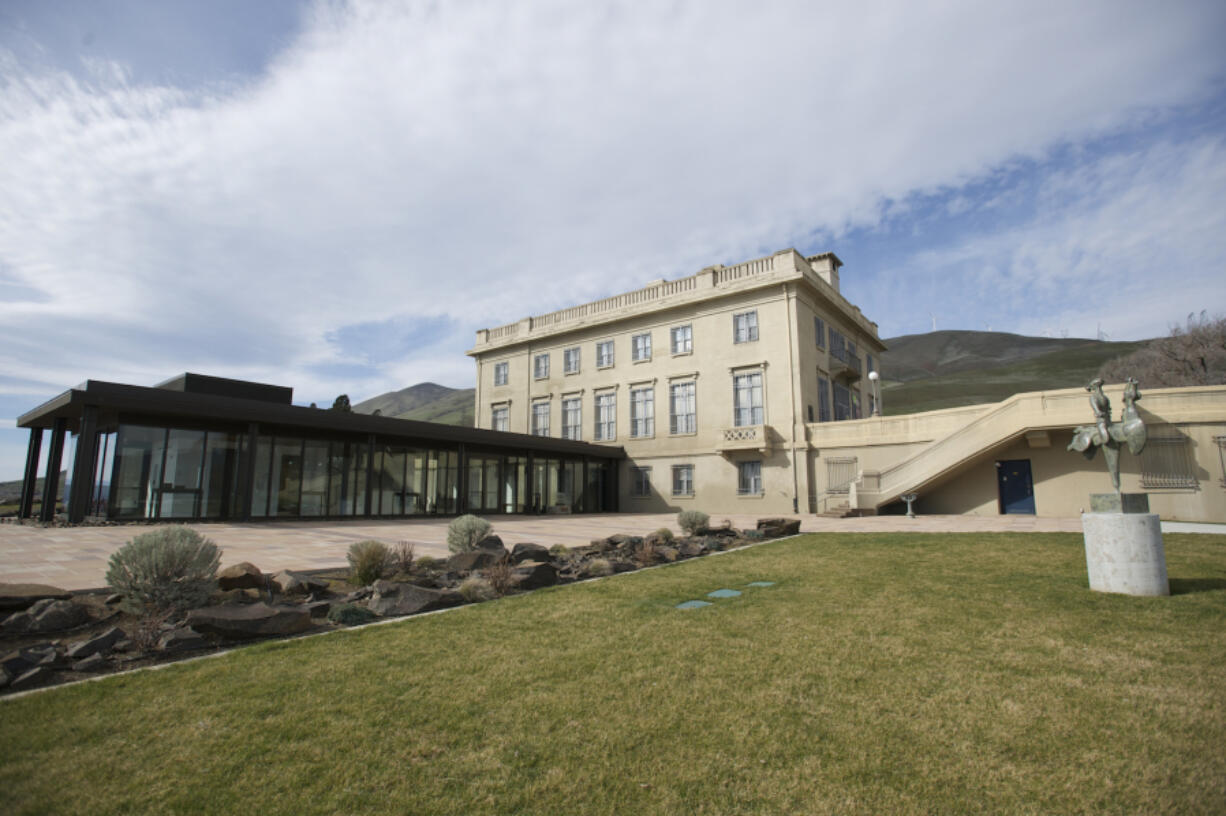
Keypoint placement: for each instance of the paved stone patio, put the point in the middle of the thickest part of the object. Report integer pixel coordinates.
(76, 557)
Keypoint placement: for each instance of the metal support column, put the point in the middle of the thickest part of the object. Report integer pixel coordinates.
(248, 471)
(83, 466)
(370, 472)
(461, 497)
(51, 477)
(30, 480)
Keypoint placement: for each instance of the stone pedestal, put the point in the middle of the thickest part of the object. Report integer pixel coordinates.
(1124, 553)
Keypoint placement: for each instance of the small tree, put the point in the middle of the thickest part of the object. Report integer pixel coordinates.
(1194, 354)
(465, 531)
(165, 572)
(341, 404)
(368, 560)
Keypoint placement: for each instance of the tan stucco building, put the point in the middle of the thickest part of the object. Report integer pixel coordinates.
(745, 389)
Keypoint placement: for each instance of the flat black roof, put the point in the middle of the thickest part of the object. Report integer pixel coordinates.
(171, 406)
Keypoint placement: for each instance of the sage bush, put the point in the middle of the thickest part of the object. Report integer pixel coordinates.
(165, 572)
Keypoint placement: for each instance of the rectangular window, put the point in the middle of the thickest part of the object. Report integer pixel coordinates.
(1167, 463)
(823, 399)
(572, 418)
(570, 361)
(640, 482)
(855, 404)
(540, 366)
(838, 345)
(540, 419)
(840, 473)
(606, 417)
(683, 480)
(842, 402)
(745, 327)
(869, 365)
(747, 399)
(819, 330)
(500, 373)
(682, 408)
(749, 478)
(640, 347)
(499, 418)
(682, 339)
(604, 354)
(643, 412)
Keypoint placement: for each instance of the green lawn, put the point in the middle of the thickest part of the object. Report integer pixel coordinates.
(880, 674)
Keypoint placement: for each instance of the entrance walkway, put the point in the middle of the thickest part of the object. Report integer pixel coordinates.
(76, 557)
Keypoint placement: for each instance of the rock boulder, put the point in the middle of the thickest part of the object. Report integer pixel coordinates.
(296, 583)
(778, 527)
(249, 621)
(528, 552)
(243, 575)
(22, 596)
(391, 599)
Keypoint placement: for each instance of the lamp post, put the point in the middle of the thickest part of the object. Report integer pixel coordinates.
(875, 379)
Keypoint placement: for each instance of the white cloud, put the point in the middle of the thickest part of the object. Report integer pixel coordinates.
(482, 161)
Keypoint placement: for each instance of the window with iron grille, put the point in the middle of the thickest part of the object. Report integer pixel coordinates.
(682, 338)
(499, 418)
(500, 373)
(749, 478)
(682, 408)
(606, 417)
(1167, 462)
(604, 354)
(570, 361)
(745, 327)
(842, 402)
(540, 419)
(640, 482)
(823, 399)
(747, 399)
(1220, 441)
(840, 473)
(683, 480)
(819, 330)
(540, 366)
(640, 347)
(643, 411)
(572, 418)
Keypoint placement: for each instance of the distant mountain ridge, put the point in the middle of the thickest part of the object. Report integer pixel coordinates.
(427, 402)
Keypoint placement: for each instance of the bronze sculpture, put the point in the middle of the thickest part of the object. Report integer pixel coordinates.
(1108, 435)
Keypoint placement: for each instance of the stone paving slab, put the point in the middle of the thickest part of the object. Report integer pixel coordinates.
(76, 557)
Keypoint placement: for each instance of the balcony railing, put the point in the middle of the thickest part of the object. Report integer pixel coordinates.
(745, 438)
(845, 364)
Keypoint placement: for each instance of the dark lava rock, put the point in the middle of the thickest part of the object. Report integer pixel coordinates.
(691, 548)
(35, 677)
(492, 543)
(391, 599)
(87, 664)
(295, 583)
(529, 552)
(182, 640)
(623, 566)
(535, 574)
(243, 575)
(475, 560)
(23, 596)
(252, 620)
(778, 527)
(47, 615)
(98, 644)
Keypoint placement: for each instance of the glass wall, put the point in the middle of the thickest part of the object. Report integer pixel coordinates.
(177, 473)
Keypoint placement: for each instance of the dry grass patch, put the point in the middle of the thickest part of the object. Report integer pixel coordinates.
(899, 674)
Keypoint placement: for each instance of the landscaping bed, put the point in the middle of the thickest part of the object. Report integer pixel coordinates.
(49, 636)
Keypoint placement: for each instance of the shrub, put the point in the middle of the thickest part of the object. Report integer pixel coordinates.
(426, 563)
(350, 614)
(599, 567)
(475, 588)
(368, 560)
(559, 550)
(464, 532)
(163, 571)
(501, 577)
(402, 556)
(645, 553)
(692, 520)
(663, 534)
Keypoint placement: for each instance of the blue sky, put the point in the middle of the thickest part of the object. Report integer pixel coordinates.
(335, 196)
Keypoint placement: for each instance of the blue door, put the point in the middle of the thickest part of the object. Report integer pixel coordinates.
(1016, 486)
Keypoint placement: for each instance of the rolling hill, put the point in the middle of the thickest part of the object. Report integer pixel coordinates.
(428, 402)
(946, 369)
